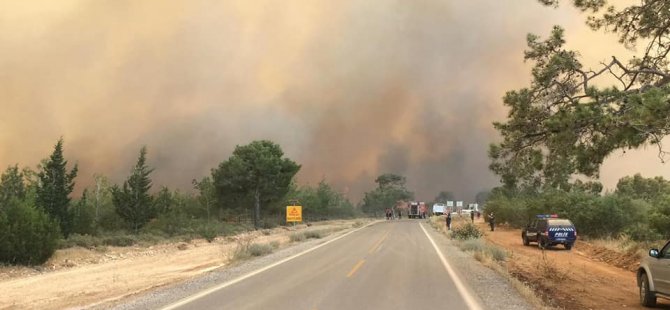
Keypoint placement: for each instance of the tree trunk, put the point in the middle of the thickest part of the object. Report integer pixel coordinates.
(257, 213)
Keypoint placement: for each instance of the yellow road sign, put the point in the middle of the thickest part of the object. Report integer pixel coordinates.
(293, 214)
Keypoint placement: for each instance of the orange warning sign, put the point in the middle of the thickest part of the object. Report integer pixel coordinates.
(293, 214)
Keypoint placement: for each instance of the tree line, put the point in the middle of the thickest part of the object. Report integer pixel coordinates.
(38, 213)
(570, 118)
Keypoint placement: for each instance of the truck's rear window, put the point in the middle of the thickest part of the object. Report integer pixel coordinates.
(560, 222)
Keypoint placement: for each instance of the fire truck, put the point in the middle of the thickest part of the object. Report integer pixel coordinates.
(416, 210)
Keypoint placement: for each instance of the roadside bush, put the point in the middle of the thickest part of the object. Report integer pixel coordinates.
(498, 254)
(297, 237)
(472, 245)
(481, 250)
(119, 240)
(209, 231)
(245, 249)
(149, 238)
(467, 231)
(260, 249)
(27, 235)
(315, 234)
(84, 241)
(641, 232)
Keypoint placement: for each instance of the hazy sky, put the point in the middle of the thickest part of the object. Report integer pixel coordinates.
(349, 89)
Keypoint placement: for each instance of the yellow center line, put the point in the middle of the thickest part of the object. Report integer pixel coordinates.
(358, 265)
(374, 247)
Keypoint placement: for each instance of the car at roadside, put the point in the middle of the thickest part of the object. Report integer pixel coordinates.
(550, 230)
(653, 276)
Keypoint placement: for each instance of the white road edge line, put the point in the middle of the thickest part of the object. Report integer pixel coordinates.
(251, 274)
(469, 299)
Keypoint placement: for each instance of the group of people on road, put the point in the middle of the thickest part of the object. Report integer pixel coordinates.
(390, 214)
(491, 219)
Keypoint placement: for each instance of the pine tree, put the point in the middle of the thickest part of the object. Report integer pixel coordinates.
(132, 201)
(11, 185)
(54, 188)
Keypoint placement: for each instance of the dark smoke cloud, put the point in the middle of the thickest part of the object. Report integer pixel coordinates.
(350, 89)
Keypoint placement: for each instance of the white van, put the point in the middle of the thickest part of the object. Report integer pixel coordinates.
(438, 208)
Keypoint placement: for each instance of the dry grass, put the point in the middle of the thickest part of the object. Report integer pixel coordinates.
(549, 270)
(492, 257)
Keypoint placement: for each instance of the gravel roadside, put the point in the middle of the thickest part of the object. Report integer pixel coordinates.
(492, 290)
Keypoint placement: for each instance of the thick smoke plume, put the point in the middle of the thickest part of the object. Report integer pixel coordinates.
(349, 89)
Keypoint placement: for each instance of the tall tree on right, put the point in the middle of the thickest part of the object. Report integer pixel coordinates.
(566, 122)
(132, 201)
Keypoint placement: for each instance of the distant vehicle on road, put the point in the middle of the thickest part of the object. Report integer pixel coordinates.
(438, 208)
(653, 276)
(549, 230)
(416, 209)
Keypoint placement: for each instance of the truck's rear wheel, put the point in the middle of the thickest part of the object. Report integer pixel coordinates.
(525, 240)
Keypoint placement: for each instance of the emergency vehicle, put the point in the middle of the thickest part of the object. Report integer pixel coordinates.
(549, 230)
(416, 209)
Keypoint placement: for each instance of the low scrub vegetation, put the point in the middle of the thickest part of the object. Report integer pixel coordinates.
(466, 231)
(297, 236)
(639, 208)
(482, 250)
(246, 249)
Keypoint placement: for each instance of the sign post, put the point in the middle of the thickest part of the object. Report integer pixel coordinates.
(293, 214)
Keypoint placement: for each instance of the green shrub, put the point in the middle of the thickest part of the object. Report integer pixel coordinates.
(209, 231)
(641, 232)
(84, 241)
(150, 238)
(467, 231)
(27, 235)
(171, 223)
(275, 244)
(119, 240)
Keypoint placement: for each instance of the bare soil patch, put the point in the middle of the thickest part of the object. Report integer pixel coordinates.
(587, 277)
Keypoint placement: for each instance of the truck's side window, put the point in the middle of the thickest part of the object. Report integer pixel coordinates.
(541, 225)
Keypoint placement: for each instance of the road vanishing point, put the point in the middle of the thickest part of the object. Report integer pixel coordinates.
(386, 265)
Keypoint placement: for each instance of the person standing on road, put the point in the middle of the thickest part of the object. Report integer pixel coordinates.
(449, 221)
(492, 221)
(472, 217)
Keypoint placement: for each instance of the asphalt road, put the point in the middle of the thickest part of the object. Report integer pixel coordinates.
(389, 265)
